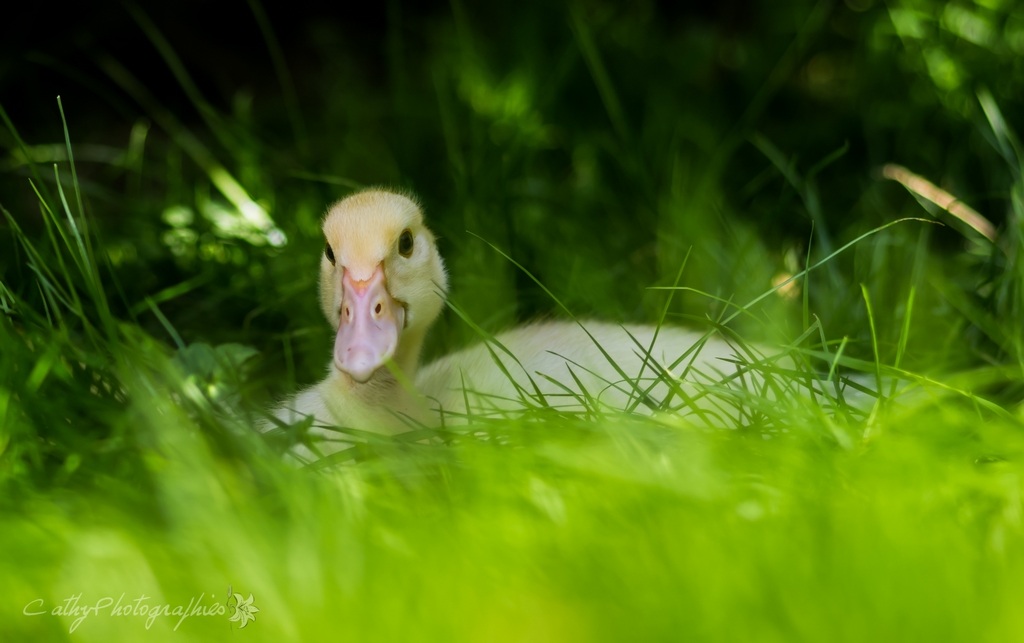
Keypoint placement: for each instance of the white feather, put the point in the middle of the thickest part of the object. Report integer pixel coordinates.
(562, 350)
(557, 350)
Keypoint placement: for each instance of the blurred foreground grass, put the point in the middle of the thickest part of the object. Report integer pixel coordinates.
(620, 531)
(157, 295)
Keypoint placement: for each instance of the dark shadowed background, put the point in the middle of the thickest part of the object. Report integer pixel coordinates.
(594, 142)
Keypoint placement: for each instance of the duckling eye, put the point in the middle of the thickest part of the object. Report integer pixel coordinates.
(330, 253)
(405, 244)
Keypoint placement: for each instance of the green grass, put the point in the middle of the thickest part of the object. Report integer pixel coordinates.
(158, 296)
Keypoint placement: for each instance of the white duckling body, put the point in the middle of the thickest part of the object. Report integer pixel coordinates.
(565, 353)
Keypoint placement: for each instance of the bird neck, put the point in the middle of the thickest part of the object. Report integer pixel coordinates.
(407, 356)
(373, 404)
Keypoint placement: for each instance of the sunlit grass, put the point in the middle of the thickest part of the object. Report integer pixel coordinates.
(809, 518)
(854, 473)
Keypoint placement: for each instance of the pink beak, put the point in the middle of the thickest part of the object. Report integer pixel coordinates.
(371, 321)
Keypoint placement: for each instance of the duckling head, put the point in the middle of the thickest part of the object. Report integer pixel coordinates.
(382, 281)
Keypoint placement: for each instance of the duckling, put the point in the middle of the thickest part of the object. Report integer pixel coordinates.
(382, 283)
